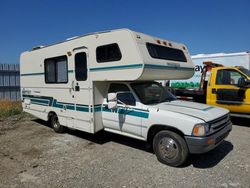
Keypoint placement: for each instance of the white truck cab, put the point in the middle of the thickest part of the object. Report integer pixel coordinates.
(105, 81)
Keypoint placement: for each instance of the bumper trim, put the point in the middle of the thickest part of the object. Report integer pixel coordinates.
(204, 144)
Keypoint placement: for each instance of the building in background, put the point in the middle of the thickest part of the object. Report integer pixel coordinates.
(10, 82)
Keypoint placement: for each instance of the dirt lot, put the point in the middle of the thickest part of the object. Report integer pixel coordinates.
(32, 155)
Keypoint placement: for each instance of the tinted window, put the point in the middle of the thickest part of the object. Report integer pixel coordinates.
(227, 77)
(152, 92)
(81, 66)
(162, 52)
(56, 70)
(106, 53)
(246, 71)
(126, 98)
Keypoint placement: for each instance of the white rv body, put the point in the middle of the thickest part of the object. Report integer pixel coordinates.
(226, 59)
(136, 64)
(53, 84)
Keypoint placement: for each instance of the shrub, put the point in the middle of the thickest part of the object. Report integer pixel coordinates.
(8, 108)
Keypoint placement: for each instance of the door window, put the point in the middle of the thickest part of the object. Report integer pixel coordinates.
(227, 77)
(125, 96)
(81, 72)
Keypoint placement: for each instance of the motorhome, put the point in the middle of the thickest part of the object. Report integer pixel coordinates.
(105, 81)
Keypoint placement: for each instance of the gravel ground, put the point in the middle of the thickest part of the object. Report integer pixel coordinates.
(32, 155)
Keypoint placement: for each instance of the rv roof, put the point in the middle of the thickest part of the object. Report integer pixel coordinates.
(73, 38)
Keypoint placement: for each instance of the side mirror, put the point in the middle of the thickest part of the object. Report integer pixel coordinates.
(112, 105)
(112, 100)
(242, 82)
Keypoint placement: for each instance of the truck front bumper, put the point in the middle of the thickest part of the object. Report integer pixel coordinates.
(205, 144)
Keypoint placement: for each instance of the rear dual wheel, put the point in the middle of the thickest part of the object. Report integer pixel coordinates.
(170, 148)
(54, 122)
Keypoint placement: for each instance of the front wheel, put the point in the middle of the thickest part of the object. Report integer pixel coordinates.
(170, 148)
(58, 128)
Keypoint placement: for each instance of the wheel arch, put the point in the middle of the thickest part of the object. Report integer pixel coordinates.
(154, 129)
(50, 114)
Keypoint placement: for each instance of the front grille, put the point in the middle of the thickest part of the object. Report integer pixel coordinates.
(219, 123)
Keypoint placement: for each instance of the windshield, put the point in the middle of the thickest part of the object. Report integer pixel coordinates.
(245, 71)
(152, 92)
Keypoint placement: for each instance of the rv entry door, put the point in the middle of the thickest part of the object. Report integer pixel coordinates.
(82, 90)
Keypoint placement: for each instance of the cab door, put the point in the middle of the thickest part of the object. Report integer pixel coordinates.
(225, 92)
(127, 117)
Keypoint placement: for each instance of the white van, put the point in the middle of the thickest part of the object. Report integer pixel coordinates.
(104, 81)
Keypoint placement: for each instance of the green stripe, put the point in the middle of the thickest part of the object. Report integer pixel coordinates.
(33, 74)
(82, 109)
(122, 110)
(40, 73)
(121, 67)
(153, 66)
(40, 101)
(56, 104)
(133, 66)
(85, 108)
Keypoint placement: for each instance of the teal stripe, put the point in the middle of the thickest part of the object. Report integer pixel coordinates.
(121, 110)
(56, 104)
(120, 67)
(82, 109)
(40, 73)
(153, 66)
(208, 108)
(37, 103)
(40, 101)
(70, 107)
(133, 66)
(85, 108)
(32, 74)
(133, 113)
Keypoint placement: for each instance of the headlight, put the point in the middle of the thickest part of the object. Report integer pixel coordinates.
(201, 129)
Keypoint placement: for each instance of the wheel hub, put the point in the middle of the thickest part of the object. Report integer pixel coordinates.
(168, 147)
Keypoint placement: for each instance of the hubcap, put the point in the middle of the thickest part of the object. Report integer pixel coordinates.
(56, 122)
(168, 148)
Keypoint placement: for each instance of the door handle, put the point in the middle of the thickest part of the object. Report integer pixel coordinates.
(77, 88)
(213, 91)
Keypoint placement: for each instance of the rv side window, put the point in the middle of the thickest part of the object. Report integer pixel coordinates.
(81, 66)
(163, 52)
(56, 70)
(107, 53)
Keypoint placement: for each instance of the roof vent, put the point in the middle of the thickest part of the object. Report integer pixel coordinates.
(37, 47)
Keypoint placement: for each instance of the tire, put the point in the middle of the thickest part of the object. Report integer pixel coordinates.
(170, 148)
(54, 122)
